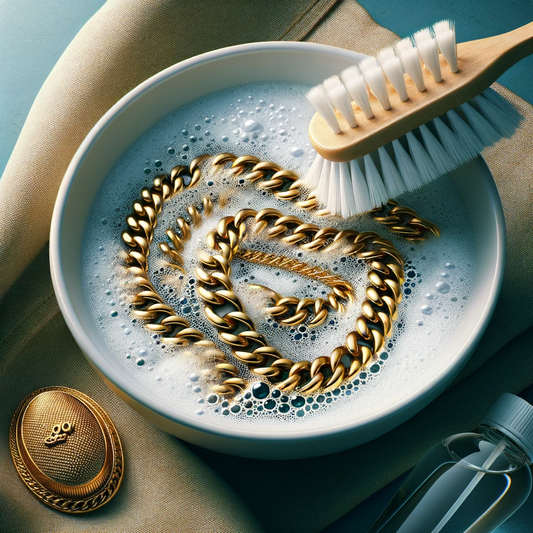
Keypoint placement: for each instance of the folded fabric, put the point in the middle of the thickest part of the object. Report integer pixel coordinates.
(168, 485)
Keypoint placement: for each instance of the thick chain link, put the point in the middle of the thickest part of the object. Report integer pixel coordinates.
(404, 221)
(148, 303)
(288, 311)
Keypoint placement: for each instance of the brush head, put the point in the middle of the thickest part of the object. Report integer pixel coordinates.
(381, 99)
(436, 80)
(413, 160)
(384, 110)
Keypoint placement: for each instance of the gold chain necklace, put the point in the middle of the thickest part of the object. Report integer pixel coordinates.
(379, 309)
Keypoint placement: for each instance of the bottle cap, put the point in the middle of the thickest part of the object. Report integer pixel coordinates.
(513, 417)
(66, 449)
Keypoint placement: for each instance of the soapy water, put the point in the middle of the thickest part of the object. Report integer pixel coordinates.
(268, 121)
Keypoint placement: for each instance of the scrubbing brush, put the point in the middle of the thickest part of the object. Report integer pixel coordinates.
(418, 110)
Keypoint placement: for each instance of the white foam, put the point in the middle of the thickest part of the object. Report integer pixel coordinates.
(275, 133)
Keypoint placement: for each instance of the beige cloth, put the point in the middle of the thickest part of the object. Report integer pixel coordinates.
(169, 485)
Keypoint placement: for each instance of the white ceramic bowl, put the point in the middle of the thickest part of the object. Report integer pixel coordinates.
(138, 111)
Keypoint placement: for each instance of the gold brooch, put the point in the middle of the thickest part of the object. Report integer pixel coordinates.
(74, 466)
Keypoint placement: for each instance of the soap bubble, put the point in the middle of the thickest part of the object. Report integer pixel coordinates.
(442, 287)
(297, 151)
(251, 125)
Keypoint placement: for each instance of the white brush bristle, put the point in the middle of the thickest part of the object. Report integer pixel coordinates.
(404, 44)
(313, 174)
(482, 127)
(321, 191)
(356, 86)
(424, 165)
(385, 54)
(442, 161)
(333, 202)
(360, 189)
(406, 167)
(445, 35)
(356, 82)
(503, 120)
(319, 100)
(427, 48)
(391, 177)
(420, 156)
(411, 62)
(451, 142)
(348, 205)
(410, 163)
(392, 66)
(340, 99)
(466, 134)
(376, 188)
(376, 81)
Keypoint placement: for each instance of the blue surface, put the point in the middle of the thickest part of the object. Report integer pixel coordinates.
(34, 33)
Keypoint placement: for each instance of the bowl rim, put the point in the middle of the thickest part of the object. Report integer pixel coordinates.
(164, 409)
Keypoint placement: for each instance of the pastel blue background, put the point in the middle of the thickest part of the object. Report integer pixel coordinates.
(34, 33)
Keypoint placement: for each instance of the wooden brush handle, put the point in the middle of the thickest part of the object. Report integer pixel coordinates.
(492, 56)
(480, 63)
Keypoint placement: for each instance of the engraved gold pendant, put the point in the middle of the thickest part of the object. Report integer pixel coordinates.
(66, 449)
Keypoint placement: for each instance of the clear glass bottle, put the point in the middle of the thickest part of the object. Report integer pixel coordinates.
(470, 482)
